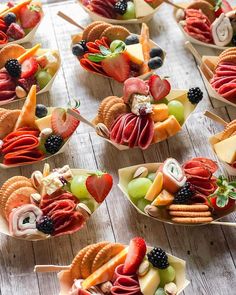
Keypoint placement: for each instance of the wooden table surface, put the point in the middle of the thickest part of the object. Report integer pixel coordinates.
(209, 250)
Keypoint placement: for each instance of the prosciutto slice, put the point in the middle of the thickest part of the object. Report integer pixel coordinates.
(134, 86)
(125, 284)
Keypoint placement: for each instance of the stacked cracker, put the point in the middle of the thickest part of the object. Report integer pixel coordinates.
(8, 119)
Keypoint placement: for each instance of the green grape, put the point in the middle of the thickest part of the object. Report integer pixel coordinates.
(115, 44)
(160, 291)
(151, 176)
(78, 187)
(137, 188)
(167, 275)
(142, 203)
(43, 78)
(130, 11)
(90, 204)
(176, 109)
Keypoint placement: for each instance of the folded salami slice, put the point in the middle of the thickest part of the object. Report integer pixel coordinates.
(209, 164)
(91, 66)
(147, 131)
(134, 86)
(228, 91)
(58, 195)
(23, 157)
(204, 187)
(200, 168)
(23, 142)
(67, 206)
(131, 128)
(135, 134)
(20, 132)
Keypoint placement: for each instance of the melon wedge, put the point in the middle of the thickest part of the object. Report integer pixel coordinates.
(29, 53)
(27, 115)
(155, 188)
(106, 272)
(163, 199)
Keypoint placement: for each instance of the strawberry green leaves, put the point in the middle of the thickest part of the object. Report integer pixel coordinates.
(115, 49)
(225, 191)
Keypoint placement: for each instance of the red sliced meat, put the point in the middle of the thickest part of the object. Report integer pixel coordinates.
(204, 187)
(23, 157)
(228, 91)
(147, 132)
(134, 86)
(58, 195)
(202, 162)
(23, 142)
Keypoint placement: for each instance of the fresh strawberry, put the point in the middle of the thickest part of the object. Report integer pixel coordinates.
(63, 123)
(214, 205)
(136, 253)
(158, 88)
(30, 16)
(222, 6)
(29, 67)
(117, 66)
(99, 185)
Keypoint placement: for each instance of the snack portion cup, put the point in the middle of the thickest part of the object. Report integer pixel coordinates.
(78, 37)
(97, 17)
(175, 94)
(4, 228)
(126, 175)
(66, 280)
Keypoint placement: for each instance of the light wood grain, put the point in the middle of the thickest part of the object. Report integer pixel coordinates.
(209, 250)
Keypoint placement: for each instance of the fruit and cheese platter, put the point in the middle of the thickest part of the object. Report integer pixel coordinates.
(19, 21)
(34, 133)
(115, 268)
(148, 112)
(188, 194)
(102, 48)
(208, 23)
(218, 73)
(224, 143)
(21, 68)
(121, 11)
(51, 203)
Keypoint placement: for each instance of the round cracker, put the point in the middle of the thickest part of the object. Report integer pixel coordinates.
(89, 28)
(114, 112)
(96, 31)
(115, 33)
(105, 254)
(110, 103)
(8, 122)
(87, 261)
(193, 220)
(101, 108)
(10, 51)
(11, 189)
(189, 208)
(20, 197)
(75, 267)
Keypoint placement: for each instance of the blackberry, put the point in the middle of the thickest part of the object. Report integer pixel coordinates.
(13, 68)
(83, 44)
(184, 194)
(10, 18)
(234, 40)
(121, 7)
(158, 258)
(53, 143)
(45, 225)
(195, 95)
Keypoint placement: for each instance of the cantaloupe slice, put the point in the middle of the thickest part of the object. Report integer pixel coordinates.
(29, 53)
(159, 112)
(155, 188)
(27, 115)
(106, 272)
(15, 9)
(163, 199)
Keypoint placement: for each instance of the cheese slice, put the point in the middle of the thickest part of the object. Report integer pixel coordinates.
(155, 188)
(226, 149)
(150, 282)
(45, 122)
(135, 53)
(142, 8)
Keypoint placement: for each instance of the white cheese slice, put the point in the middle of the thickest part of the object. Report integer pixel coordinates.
(150, 282)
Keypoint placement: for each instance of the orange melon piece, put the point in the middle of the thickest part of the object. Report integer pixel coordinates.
(144, 40)
(163, 199)
(29, 53)
(106, 272)
(155, 188)
(160, 112)
(27, 115)
(15, 9)
(165, 129)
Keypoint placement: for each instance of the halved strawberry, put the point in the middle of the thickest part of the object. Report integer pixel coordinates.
(159, 88)
(30, 16)
(117, 66)
(29, 67)
(136, 253)
(99, 185)
(62, 123)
